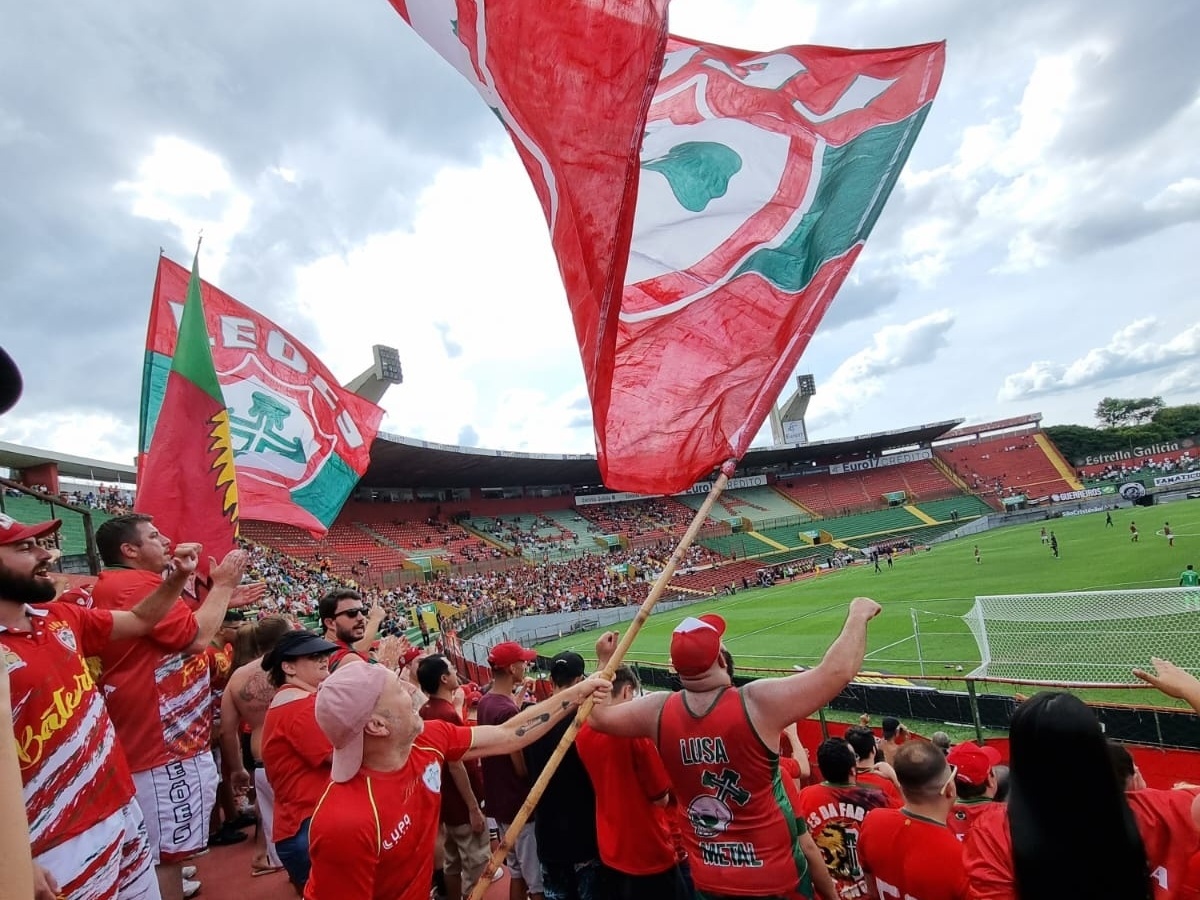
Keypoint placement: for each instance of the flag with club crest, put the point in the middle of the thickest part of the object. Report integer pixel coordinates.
(186, 476)
(300, 441)
(705, 203)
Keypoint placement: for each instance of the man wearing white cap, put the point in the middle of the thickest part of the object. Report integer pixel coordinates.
(716, 741)
(373, 833)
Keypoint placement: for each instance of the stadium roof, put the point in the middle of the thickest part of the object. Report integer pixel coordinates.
(14, 456)
(402, 462)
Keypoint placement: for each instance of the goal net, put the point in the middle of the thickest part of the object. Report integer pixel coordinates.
(1094, 637)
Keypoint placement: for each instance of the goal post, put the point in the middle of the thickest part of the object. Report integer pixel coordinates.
(1086, 637)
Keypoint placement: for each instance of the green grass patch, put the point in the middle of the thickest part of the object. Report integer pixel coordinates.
(793, 624)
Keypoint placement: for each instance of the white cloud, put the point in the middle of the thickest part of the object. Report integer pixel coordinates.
(862, 377)
(474, 275)
(93, 435)
(1134, 349)
(190, 188)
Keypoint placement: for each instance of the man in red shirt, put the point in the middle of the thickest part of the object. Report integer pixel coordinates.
(909, 852)
(869, 771)
(349, 624)
(373, 834)
(834, 811)
(632, 791)
(467, 845)
(88, 836)
(975, 782)
(296, 755)
(157, 690)
(716, 741)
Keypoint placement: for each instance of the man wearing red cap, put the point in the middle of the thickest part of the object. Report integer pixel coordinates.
(976, 783)
(909, 852)
(467, 844)
(716, 742)
(372, 836)
(88, 836)
(506, 778)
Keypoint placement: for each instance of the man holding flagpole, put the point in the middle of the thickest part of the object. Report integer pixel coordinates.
(715, 741)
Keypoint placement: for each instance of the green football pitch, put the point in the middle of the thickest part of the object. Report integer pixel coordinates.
(792, 623)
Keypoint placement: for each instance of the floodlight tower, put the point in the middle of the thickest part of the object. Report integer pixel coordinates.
(787, 420)
(374, 382)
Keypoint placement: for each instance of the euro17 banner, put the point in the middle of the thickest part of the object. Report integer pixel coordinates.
(300, 441)
(705, 203)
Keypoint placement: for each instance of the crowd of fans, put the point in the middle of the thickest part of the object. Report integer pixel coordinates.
(891, 818)
(588, 581)
(1168, 464)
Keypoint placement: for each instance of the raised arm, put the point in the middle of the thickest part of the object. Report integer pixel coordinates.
(375, 618)
(150, 611)
(773, 703)
(636, 718)
(1172, 681)
(531, 723)
(225, 579)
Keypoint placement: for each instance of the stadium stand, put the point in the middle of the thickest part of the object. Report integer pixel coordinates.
(1009, 465)
(757, 504)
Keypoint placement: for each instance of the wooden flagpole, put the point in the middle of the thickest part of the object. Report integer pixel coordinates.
(585, 710)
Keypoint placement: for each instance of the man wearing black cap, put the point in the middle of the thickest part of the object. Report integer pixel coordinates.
(295, 752)
(87, 833)
(566, 814)
(716, 741)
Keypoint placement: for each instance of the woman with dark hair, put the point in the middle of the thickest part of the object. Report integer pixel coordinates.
(1069, 829)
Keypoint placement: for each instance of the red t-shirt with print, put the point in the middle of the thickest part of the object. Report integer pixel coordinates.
(157, 695)
(911, 856)
(372, 837)
(73, 772)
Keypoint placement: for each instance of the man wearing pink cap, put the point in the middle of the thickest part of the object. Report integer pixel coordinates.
(716, 742)
(88, 835)
(372, 836)
(976, 783)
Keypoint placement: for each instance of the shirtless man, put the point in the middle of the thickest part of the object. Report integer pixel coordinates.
(246, 698)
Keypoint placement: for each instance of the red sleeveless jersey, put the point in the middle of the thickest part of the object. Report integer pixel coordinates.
(738, 826)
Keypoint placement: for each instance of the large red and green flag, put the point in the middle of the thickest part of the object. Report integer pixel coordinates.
(755, 177)
(186, 476)
(299, 440)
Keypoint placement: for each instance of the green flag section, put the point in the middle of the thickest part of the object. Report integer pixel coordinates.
(186, 479)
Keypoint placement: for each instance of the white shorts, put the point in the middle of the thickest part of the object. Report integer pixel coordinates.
(109, 861)
(177, 800)
(522, 859)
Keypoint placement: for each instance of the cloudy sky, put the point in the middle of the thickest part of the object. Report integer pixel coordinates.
(1041, 251)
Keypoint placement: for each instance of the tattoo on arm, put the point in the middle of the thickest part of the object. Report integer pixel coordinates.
(536, 722)
(567, 704)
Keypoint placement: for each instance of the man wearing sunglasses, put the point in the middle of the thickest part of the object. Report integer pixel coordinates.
(349, 624)
(910, 851)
